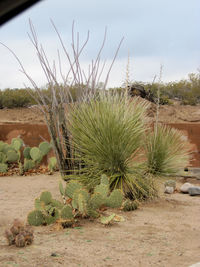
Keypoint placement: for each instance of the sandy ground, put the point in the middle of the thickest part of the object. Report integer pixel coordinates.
(175, 113)
(162, 233)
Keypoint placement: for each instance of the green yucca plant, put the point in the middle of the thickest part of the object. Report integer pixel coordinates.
(107, 134)
(166, 150)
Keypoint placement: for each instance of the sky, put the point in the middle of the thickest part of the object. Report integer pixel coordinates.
(155, 32)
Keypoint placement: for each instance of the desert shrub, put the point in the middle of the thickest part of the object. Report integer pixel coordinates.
(12, 98)
(107, 134)
(166, 150)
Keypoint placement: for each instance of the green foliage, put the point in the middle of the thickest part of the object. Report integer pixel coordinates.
(102, 189)
(46, 197)
(44, 147)
(26, 152)
(115, 199)
(66, 212)
(17, 143)
(71, 188)
(14, 98)
(96, 201)
(107, 133)
(36, 154)
(3, 167)
(28, 164)
(106, 220)
(12, 156)
(35, 218)
(52, 164)
(166, 151)
(2, 157)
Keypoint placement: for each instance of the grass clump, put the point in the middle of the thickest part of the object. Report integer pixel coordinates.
(107, 134)
(166, 150)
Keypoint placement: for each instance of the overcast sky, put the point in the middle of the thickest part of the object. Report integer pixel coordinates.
(155, 32)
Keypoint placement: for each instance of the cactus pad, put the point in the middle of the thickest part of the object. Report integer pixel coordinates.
(35, 218)
(66, 212)
(56, 203)
(44, 147)
(52, 164)
(12, 156)
(71, 187)
(28, 164)
(52, 215)
(2, 157)
(46, 197)
(103, 189)
(96, 201)
(26, 152)
(61, 188)
(115, 199)
(35, 154)
(107, 219)
(17, 143)
(3, 167)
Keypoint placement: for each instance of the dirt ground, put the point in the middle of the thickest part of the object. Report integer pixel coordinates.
(175, 113)
(162, 233)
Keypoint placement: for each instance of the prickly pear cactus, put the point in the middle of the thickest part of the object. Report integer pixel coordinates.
(52, 164)
(46, 197)
(51, 215)
(12, 156)
(107, 219)
(102, 189)
(35, 218)
(3, 167)
(115, 199)
(26, 152)
(29, 164)
(71, 187)
(66, 212)
(36, 154)
(2, 157)
(44, 147)
(17, 143)
(96, 201)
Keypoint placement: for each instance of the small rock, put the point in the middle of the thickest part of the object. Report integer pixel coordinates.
(169, 190)
(184, 188)
(194, 191)
(53, 254)
(195, 265)
(170, 183)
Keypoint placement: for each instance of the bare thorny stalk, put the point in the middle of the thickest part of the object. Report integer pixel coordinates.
(54, 108)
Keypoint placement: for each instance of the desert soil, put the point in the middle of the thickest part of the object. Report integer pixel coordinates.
(175, 113)
(164, 232)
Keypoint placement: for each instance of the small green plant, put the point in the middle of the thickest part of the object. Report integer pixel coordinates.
(166, 151)
(77, 202)
(108, 134)
(52, 166)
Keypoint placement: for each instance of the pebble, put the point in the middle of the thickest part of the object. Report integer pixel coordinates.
(169, 190)
(195, 265)
(184, 188)
(194, 191)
